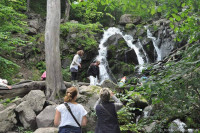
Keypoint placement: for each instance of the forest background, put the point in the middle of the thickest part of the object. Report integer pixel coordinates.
(174, 90)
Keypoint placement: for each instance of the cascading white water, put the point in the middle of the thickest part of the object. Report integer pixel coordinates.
(102, 57)
(155, 44)
(147, 60)
(147, 111)
(180, 126)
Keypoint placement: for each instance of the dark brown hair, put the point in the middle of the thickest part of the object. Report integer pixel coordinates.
(71, 93)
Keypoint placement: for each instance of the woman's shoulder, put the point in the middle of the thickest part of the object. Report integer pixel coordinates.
(61, 107)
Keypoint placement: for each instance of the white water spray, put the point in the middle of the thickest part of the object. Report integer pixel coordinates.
(102, 57)
(155, 44)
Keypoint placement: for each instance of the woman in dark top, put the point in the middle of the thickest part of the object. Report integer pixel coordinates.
(107, 121)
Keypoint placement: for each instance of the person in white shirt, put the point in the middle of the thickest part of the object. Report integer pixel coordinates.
(4, 82)
(64, 120)
(76, 63)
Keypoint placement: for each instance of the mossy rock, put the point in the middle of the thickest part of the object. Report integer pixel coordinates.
(139, 100)
(129, 26)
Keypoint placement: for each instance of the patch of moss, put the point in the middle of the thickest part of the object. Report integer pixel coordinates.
(129, 26)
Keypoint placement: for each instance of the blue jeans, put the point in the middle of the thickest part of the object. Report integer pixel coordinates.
(69, 129)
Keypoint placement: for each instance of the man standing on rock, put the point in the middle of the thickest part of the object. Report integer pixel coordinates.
(93, 73)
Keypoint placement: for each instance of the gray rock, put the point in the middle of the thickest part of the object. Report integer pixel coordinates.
(7, 119)
(34, 24)
(2, 107)
(109, 84)
(149, 128)
(74, 21)
(36, 99)
(89, 90)
(47, 130)
(129, 19)
(46, 117)
(32, 31)
(26, 115)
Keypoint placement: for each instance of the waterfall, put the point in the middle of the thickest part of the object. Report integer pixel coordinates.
(155, 44)
(147, 60)
(147, 111)
(179, 126)
(102, 56)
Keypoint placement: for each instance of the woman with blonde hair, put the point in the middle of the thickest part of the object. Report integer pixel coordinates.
(106, 111)
(70, 115)
(76, 63)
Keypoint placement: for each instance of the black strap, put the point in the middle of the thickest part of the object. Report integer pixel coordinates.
(69, 109)
(106, 110)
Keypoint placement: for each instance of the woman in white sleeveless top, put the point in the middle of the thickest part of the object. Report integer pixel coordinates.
(64, 120)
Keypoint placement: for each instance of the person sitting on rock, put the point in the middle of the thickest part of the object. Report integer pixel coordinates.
(4, 82)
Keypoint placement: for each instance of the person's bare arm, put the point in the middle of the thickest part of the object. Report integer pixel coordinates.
(97, 102)
(84, 121)
(118, 104)
(57, 118)
(76, 61)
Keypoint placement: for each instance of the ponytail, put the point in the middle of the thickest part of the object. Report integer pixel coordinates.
(70, 94)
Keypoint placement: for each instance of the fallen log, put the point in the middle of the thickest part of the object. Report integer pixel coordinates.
(23, 88)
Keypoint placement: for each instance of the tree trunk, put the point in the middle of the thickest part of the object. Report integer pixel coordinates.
(54, 80)
(28, 5)
(67, 10)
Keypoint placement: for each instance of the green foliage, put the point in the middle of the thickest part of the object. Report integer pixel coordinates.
(7, 101)
(189, 27)
(38, 6)
(36, 75)
(175, 89)
(19, 5)
(11, 24)
(125, 115)
(84, 34)
(66, 74)
(93, 11)
(8, 69)
(23, 130)
(41, 66)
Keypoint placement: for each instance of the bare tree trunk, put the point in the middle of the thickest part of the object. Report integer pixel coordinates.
(54, 80)
(67, 10)
(28, 5)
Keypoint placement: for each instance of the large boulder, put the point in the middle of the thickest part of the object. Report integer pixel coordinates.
(88, 97)
(26, 115)
(34, 23)
(129, 19)
(7, 119)
(36, 99)
(109, 84)
(46, 117)
(47, 130)
(149, 128)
